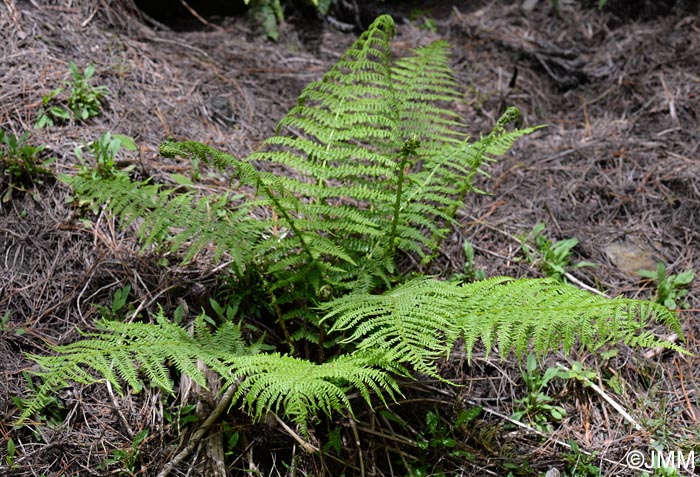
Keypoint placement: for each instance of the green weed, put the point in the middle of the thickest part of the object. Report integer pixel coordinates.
(469, 271)
(537, 406)
(438, 437)
(268, 14)
(424, 19)
(119, 309)
(84, 100)
(50, 114)
(552, 258)
(670, 289)
(20, 162)
(104, 152)
(11, 453)
(127, 458)
(580, 464)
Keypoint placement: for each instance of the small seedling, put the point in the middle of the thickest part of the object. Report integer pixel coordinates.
(438, 436)
(580, 464)
(84, 100)
(470, 273)
(552, 258)
(118, 310)
(128, 458)
(4, 321)
(11, 453)
(670, 289)
(184, 416)
(50, 114)
(104, 151)
(20, 162)
(425, 21)
(335, 441)
(578, 373)
(536, 405)
(232, 437)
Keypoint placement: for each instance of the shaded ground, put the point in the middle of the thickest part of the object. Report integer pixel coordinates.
(617, 168)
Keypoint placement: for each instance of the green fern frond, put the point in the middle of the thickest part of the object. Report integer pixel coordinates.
(134, 351)
(289, 386)
(421, 319)
(511, 314)
(300, 389)
(164, 216)
(413, 323)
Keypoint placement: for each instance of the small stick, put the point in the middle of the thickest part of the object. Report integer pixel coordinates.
(358, 444)
(579, 283)
(310, 449)
(115, 403)
(200, 432)
(610, 401)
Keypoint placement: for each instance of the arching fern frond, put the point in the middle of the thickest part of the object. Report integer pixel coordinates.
(165, 216)
(292, 387)
(421, 319)
(511, 314)
(134, 352)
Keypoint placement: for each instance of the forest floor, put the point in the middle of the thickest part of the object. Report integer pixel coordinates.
(617, 167)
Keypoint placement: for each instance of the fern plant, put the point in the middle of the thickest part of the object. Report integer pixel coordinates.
(370, 166)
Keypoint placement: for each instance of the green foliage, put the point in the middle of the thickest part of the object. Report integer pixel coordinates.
(470, 273)
(20, 162)
(552, 258)
(43, 403)
(183, 416)
(104, 152)
(437, 440)
(127, 458)
(419, 320)
(369, 167)
(50, 113)
(577, 373)
(537, 406)
(438, 434)
(84, 100)
(267, 13)
(580, 464)
(423, 18)
(670, 289)
(11, 453)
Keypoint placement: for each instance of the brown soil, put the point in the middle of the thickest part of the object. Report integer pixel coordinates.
(618, 167)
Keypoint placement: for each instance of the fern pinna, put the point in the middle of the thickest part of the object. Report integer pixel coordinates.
(370, 164)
